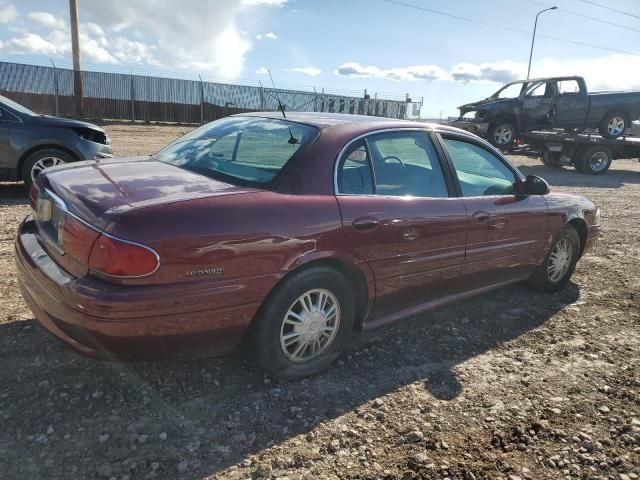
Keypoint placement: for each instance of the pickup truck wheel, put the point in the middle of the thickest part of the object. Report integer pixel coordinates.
(559, 264)
(551, 159)
(502, 135)
(304, 324)
(41, 160)
(595, 160)
(613, 125)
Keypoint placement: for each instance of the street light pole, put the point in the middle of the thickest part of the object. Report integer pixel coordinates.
(535, 26)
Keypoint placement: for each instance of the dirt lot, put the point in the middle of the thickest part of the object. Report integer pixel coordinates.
(511, 385)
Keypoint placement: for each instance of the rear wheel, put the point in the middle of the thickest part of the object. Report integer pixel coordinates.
(558, 266)
(613, 125)
(305, 323)
(41, 160)
(502, 135)
(595, 160)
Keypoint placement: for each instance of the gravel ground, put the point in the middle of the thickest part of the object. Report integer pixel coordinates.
(511, 385)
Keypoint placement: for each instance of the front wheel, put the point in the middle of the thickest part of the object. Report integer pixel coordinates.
(558, 266)
(304, 324)
(40, 160)
(502, 135)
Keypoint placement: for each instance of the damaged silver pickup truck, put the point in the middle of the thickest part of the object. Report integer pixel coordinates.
(544, 103)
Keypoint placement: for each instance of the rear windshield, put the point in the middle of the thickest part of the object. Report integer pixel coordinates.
(246, 150)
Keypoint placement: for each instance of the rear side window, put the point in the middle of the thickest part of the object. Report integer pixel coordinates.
(406, 164)
(479, 171)
(354, 171)
(568, 86)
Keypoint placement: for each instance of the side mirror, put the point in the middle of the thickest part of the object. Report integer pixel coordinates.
(535, 185)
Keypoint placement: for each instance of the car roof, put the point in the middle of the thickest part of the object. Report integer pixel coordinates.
(325, 120)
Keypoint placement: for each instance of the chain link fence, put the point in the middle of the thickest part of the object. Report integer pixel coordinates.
(119, 96)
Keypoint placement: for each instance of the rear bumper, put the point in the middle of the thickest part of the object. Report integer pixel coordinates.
(104, 320)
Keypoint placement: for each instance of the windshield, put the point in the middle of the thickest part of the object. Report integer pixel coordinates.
(248, 150)
(509, 91)
(16, 106)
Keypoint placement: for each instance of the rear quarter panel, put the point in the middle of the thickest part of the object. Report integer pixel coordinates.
(601, 103)
(254, 238)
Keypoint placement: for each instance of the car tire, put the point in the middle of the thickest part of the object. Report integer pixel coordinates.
(41, 159)
(277, 334)
(595, 160)
(614, 124)
(559, 264)
(502, 135)
(551, 159)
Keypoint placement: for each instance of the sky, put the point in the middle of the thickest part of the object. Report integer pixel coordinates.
(379, 45)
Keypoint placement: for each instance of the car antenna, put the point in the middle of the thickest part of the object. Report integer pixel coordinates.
(292, 140)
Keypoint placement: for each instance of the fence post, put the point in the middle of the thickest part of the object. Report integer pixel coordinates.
(55, 86)
(261, 96)
(133, 99)
(201, 100)
(315, 99)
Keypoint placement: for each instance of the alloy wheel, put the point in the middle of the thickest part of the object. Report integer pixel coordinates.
(598, 161)
(310, 325)
(616, 125)
(560, 260)
(43, 164)
(503, 134)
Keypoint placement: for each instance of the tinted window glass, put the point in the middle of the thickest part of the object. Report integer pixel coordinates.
(354, 171)
(244, 149)
(479, 171)
(405, 163)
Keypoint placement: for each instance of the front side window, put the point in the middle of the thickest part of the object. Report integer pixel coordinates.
(479, 171)
(247, 150)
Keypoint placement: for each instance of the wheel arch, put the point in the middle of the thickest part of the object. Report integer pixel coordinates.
(623, 109)
(581, 227)
(354, 275)
(44, 146)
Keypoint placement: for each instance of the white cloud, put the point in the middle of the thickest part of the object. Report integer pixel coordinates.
(262, 71)
(31, 43)
(47, 20)
(259, 37)
(415, 72)
(8, 12)
(311, 71)
(264, 3)
(271, 35)
(499, 72)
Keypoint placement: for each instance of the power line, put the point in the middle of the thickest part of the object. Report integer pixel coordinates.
(610, 8)
(586, 16)
(511, 29)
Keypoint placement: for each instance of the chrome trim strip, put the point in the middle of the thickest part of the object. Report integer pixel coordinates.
(63, 206)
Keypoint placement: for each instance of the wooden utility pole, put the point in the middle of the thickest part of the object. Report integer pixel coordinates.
(75, 47)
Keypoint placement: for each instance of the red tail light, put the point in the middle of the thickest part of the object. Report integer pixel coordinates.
(120, 258)
(77, 238)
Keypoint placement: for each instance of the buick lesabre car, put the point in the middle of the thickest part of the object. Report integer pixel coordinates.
(288, 234)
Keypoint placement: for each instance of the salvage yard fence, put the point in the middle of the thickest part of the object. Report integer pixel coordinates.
(120, 96)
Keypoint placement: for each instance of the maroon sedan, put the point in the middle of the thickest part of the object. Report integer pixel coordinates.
(289, 233)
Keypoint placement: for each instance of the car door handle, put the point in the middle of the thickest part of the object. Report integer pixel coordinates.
(365, 223)
(481, 216)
